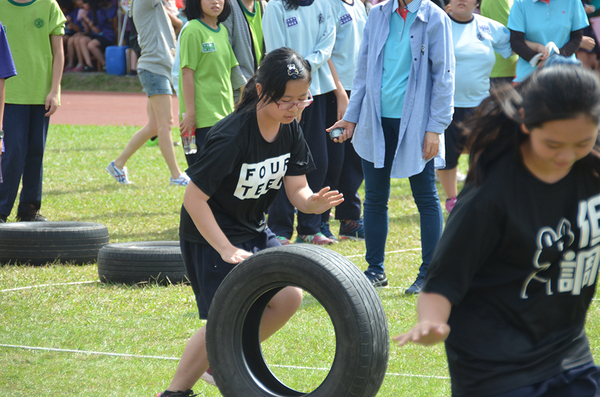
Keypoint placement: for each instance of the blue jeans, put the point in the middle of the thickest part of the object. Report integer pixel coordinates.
(377, 195)
(25, 130)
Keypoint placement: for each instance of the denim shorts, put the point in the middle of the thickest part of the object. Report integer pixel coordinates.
(154, 84)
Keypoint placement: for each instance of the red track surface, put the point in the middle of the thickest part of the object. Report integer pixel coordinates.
(104, 108)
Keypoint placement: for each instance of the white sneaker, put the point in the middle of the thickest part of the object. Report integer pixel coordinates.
(119, 175)
(208, 378)
(183, 180)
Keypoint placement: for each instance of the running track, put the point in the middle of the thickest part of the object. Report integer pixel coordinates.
(104, 108)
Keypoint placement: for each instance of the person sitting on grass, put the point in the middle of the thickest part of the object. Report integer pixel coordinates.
(515, 271)
(223, 213)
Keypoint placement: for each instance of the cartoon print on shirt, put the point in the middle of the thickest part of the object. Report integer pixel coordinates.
(258, 178)
(549, 242)
(578, 267)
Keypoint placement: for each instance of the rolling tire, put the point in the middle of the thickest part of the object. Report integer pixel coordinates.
(142, 261)
(40, 243)
(356, 312)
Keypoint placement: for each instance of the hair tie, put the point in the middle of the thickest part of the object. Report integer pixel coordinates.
(292, 71)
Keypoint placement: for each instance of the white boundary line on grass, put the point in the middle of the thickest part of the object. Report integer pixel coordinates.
(176, 359)
(47, 285)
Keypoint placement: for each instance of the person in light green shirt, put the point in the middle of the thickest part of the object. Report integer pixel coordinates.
(504, 69)
(34, 29)
(206, 69)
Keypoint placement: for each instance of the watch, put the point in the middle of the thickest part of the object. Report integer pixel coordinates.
(1, 134)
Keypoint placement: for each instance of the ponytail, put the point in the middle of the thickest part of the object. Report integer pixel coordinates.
(557, 92)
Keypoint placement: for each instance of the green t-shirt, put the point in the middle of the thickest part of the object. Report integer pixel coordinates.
(255, 22)
(28, 28)
(498, 10)
(208, 52)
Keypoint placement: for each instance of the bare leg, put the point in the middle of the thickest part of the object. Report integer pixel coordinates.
(448, 181)
(85, 53)
(194, 361)
(161, 108)
(77, 46)
(138, 139)
(94, 48)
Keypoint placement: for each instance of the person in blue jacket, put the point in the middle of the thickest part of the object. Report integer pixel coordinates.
(407, 58)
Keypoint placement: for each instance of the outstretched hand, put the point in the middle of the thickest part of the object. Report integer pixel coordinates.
(325, 199)
(424, 333)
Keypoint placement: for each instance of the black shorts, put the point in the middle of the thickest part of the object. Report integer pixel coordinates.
(455, 140)
(206, 270)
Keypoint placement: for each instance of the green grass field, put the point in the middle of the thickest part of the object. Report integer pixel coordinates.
(115, 340)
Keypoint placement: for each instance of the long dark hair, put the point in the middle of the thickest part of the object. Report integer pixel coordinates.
(193, 10)
(555, 92)
(276, 69)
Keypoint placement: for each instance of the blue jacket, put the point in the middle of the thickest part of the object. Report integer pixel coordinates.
(429, 93)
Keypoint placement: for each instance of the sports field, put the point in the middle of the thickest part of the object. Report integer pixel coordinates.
(62, 333)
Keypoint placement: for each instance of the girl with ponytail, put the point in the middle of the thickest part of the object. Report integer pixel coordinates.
(246, 159)
(515, 271)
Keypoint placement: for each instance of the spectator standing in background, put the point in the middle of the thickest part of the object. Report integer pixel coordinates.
(156, 38)
(539, 23)
(344, 171)
(475, 38)
(34, 31)
(307, 26)
(7, 69)
(244, 26)
(208, 70)
(589, 50)
(504, 70)
(401, 103)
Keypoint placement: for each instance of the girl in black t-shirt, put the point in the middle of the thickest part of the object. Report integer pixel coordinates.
(245, 158)
(515, 270)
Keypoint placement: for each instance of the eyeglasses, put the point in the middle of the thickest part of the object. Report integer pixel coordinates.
(299, 105)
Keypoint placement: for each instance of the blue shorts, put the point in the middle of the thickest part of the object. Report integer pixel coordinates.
(582, 381)
(206, 270)
(154, 84)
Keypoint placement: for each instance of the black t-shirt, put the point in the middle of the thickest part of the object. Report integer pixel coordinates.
(241, 173)
(518, 260)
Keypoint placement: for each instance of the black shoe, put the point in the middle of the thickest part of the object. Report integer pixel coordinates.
(377, 279)
(416, 287)
(169, 393)
(31, 217)
(88, 69)
(3, 218)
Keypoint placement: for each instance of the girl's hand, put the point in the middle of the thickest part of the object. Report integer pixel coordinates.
(587, 43)
(348, 130)
(424, 333)
(320, 202)
(235, 255)
(187, 124)
(51, 104)
(431, 145)
(589, 9)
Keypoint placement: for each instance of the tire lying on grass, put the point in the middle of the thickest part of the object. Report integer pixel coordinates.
(356, 312)
(39, 243)
(142, 261)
